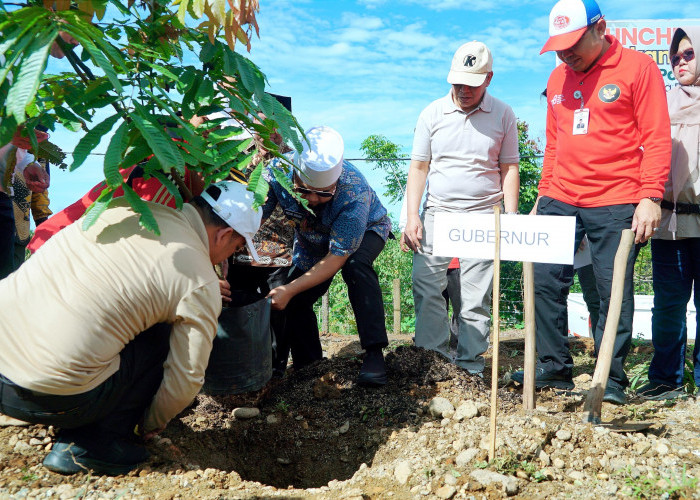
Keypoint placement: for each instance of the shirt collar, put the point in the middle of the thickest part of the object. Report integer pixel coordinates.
(611, 57)
(449, 106)
(196, 222)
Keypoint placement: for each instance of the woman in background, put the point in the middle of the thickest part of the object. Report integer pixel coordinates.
(675, 249)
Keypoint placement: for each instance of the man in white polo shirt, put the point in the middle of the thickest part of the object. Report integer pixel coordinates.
(466, 147)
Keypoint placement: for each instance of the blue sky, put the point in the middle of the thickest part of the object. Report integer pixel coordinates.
(370, 66)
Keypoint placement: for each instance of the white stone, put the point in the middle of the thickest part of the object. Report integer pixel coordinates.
(466, 456)
(487, 477)
(273, 419)
(441, 408)
(402, 471)
(345, 427)
(446, 492)
(466, 411)
(564, 434)
(245, 413)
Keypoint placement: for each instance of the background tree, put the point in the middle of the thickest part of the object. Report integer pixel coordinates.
(144, 75)
(388, 157)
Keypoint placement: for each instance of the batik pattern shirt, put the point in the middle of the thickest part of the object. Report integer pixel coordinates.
(336, 227)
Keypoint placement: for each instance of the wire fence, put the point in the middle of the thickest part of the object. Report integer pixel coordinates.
(335, 315)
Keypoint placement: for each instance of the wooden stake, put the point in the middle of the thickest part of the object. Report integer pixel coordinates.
(529, 367)
(496, 332)
(325, 313)
(396, 294)
(594, 400)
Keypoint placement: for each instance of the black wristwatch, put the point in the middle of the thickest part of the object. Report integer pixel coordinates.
(655, 199)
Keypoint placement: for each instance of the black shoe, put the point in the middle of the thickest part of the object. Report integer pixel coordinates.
(373, 371)
(117, 457)
(654, 391)
(546, 380)
(614, 395)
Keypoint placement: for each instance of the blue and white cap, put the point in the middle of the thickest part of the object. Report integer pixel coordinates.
(568, 21)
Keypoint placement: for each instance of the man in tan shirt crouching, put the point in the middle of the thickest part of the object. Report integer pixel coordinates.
(109, 328)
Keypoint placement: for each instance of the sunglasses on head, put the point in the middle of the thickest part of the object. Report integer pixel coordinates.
(320, 194)
(688, 55)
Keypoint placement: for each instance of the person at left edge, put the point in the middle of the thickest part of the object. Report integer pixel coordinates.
(345, 229)
(126, 325)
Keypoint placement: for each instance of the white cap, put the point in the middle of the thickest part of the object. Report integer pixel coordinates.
(235, 206)
(568, 21)
(321, 161)
(470, 65)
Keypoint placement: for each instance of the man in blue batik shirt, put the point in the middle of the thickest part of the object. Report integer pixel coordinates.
(345, 231)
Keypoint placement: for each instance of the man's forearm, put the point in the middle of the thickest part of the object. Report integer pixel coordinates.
(510, 182)
(323, 270)
(417, 174)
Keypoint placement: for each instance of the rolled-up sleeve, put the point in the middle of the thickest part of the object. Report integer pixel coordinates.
(190, 346)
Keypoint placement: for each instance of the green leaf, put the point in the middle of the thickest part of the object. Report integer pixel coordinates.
(188, 110)
(97, 208)
(68, 119)
(185, 129)
(207, 53)
(162, 146)
(113, 156)
(138, 152)
(161, 69)
(170, 186)
(98, 56)
(146, 218)
(8, 127)
(90, 141)
(27, 39)
(258, 185)
(229, 150)
(251, 76)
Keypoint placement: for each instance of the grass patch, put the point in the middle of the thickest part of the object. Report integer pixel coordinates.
(660, 486)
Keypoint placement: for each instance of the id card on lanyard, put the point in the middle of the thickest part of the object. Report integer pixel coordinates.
(581, 121)
(581, 117)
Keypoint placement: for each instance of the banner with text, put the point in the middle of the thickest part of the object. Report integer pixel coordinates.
(653, 37)
(527, 238)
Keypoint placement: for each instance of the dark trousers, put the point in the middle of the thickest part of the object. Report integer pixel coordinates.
(676, 271)
(113, 408)
(256, 282)
(7, 236)
(589, 290)
(301, 334)
(603, 225)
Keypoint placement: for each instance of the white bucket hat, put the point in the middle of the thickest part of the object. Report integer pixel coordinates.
(321, 161)
(235, 206)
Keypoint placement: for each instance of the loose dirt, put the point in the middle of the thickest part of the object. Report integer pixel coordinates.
(318, 435)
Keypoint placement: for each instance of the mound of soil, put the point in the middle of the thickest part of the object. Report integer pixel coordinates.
(319, 426)
(316, 434)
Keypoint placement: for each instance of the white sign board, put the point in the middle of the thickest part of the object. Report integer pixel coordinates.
(527, 238)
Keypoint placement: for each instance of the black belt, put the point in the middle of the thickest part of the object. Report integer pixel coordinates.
(681, 208)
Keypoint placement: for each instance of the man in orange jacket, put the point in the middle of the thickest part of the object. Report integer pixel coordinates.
(607, 157)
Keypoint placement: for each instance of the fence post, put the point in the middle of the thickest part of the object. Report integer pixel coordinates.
(396, 294)
(324, 313)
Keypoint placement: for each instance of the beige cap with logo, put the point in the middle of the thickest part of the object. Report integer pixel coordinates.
(470, 65)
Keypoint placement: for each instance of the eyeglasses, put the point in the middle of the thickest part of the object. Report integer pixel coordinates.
(320, 194)
(688, 55)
